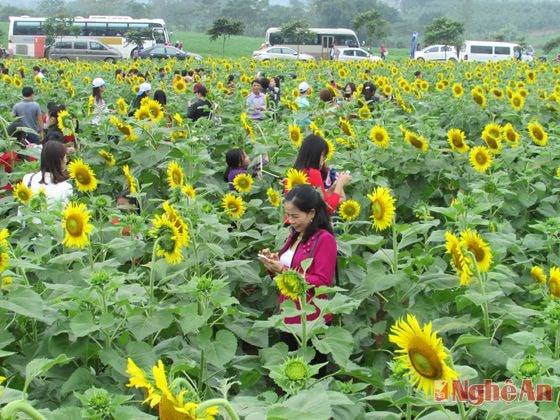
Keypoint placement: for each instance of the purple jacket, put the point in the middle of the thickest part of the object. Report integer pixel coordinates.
(320, 272)
(253, 101)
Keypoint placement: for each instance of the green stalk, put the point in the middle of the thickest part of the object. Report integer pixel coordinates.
(557, 344)
(221, 402)
(201, 373)
(152, 272)
(10, 410)
(303, 304)
(484, 306)
(395, 266)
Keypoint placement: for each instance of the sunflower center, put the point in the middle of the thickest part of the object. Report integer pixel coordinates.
(379, 137)
(425, 362)
(480, 158)
(74, 226)
(83, 178)
(538, 134)
(415, 142)
(492, 143)
(177, 178)
(457, 141)
(378, 210)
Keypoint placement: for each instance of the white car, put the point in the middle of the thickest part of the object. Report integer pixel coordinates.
(282, 53)
(350, 54)
(437, 53)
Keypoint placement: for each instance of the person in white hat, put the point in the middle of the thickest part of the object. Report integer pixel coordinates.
(143, 92)
(302, 101)
(99, 105)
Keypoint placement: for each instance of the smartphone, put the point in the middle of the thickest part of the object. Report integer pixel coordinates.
(263, 257)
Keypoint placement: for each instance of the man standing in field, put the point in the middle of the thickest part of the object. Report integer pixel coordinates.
(29, 113)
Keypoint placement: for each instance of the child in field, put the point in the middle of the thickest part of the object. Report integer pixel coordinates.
(238, 163)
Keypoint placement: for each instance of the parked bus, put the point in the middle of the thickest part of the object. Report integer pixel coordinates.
(318, 44)
(26, 35)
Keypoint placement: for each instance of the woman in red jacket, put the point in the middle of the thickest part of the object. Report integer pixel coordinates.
(311, 237)
(311, 159)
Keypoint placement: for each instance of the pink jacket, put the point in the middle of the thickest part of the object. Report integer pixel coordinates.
(321, 271)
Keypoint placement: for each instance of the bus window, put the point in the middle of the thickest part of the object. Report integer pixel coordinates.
(116, 29)
(26, 28)
(96, 29)
(159, 36)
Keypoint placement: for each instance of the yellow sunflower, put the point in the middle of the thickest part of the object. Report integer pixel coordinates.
(243, 183)
(178, 119)
(330, 149)
(291, 284)
(84, 177)
(179, 223)
(4, 235)
(382, 207)
(122, 106)
(480, 158)
(175, 175)
(155, 110)
(273, 196)
(65, 123)
(178, 134)
(247, 126)
(295, 134)
(456, 139)
(422, 354)
(189, 190)
(517, 101)
(457, 90)
(453, 248)
(538, 274)
(497, 92)
(510, 135)
(76, 225)
(22, 193)
(130, 180)
(474, 243)
(347, 127)
(478, 97)
(349, 210)
(415, 140)
(295, 177)
(179, 85)
(233, 205)
(142, 113)
(109, 158)
(554, 282)
(316, 130)
(91, 101)
(364, 113)
(169, 239)
(4, 257)
(537, 133)
(380, 136)
(128, 132)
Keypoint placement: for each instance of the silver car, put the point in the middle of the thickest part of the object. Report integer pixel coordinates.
(282, 53)
(86, 49)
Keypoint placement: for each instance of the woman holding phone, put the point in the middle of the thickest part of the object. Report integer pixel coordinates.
(311, 237)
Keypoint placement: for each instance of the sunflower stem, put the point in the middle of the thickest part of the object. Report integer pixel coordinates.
(484, 305)
(221, 402)
(462, 412)
(201, 373)
(395, 265)
(23, 406)
(302, 305)
(152, 271)
(557, 344)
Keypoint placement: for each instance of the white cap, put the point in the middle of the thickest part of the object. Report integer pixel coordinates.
(303, 87)
(144, 87)
(98, 82)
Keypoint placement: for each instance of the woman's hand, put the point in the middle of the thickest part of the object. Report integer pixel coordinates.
(271, 261)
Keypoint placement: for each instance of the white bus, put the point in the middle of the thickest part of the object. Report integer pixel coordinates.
(26, 36)
(319, 43)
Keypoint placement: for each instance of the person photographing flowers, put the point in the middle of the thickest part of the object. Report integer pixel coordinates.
(311, 237)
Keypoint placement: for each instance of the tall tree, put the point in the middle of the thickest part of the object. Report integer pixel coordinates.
(445, 31)
(225, 27)
(297, 31)
(372, 22)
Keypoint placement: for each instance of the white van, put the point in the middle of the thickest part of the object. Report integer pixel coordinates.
(493, 51)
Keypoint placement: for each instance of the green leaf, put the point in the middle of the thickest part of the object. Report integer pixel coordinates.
(221, 350)
(37, 367)
(308, 404)
(83, 324)
(66, 259)
(142, 326)
(469, 339)
(28, 303)
(80, 380)
(338, 342)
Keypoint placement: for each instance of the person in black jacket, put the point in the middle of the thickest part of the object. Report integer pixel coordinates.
(202, 107)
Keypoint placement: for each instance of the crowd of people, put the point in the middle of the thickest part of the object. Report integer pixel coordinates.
(308, 208)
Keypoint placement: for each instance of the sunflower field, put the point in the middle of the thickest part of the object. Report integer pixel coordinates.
(449, 249)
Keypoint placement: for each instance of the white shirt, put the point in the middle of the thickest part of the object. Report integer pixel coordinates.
(287, 257)
(54, 192)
